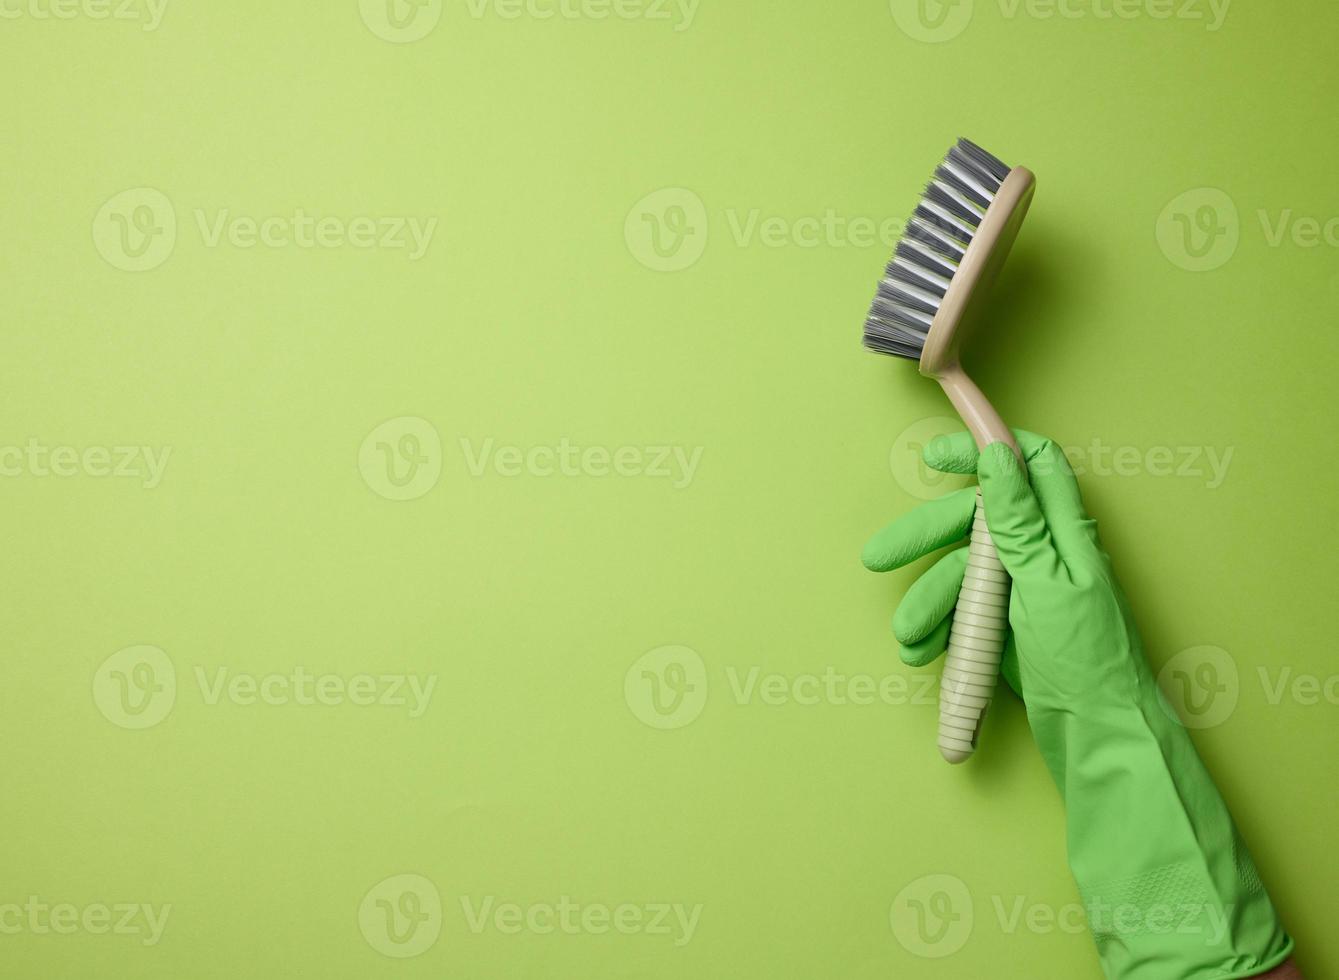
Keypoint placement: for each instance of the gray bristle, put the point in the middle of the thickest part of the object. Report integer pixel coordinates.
(933, 244)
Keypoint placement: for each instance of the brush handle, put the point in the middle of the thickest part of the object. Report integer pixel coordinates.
(981, 619)
(975, 644)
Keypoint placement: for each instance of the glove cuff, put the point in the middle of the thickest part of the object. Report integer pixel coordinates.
(1168, 884)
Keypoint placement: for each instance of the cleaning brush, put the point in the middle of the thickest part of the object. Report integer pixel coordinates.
(928, 303)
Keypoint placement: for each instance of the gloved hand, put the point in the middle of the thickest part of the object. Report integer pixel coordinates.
(1170, 889)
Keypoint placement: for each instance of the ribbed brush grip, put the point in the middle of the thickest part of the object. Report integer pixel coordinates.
(975, 645)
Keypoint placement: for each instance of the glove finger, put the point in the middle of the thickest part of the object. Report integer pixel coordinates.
(928, 648)
(954, 452)
(930, 599)
(1049, 472)
(928, 528)
(1014, 515)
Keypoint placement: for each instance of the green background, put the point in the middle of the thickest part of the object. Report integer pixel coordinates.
(537, 315)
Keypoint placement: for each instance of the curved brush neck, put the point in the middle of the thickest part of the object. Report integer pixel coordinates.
(976, 411)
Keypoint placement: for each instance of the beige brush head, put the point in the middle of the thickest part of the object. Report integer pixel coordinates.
(934, 290)
(962, 307)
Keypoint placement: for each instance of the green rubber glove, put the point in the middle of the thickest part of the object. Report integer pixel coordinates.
(1170, 889)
